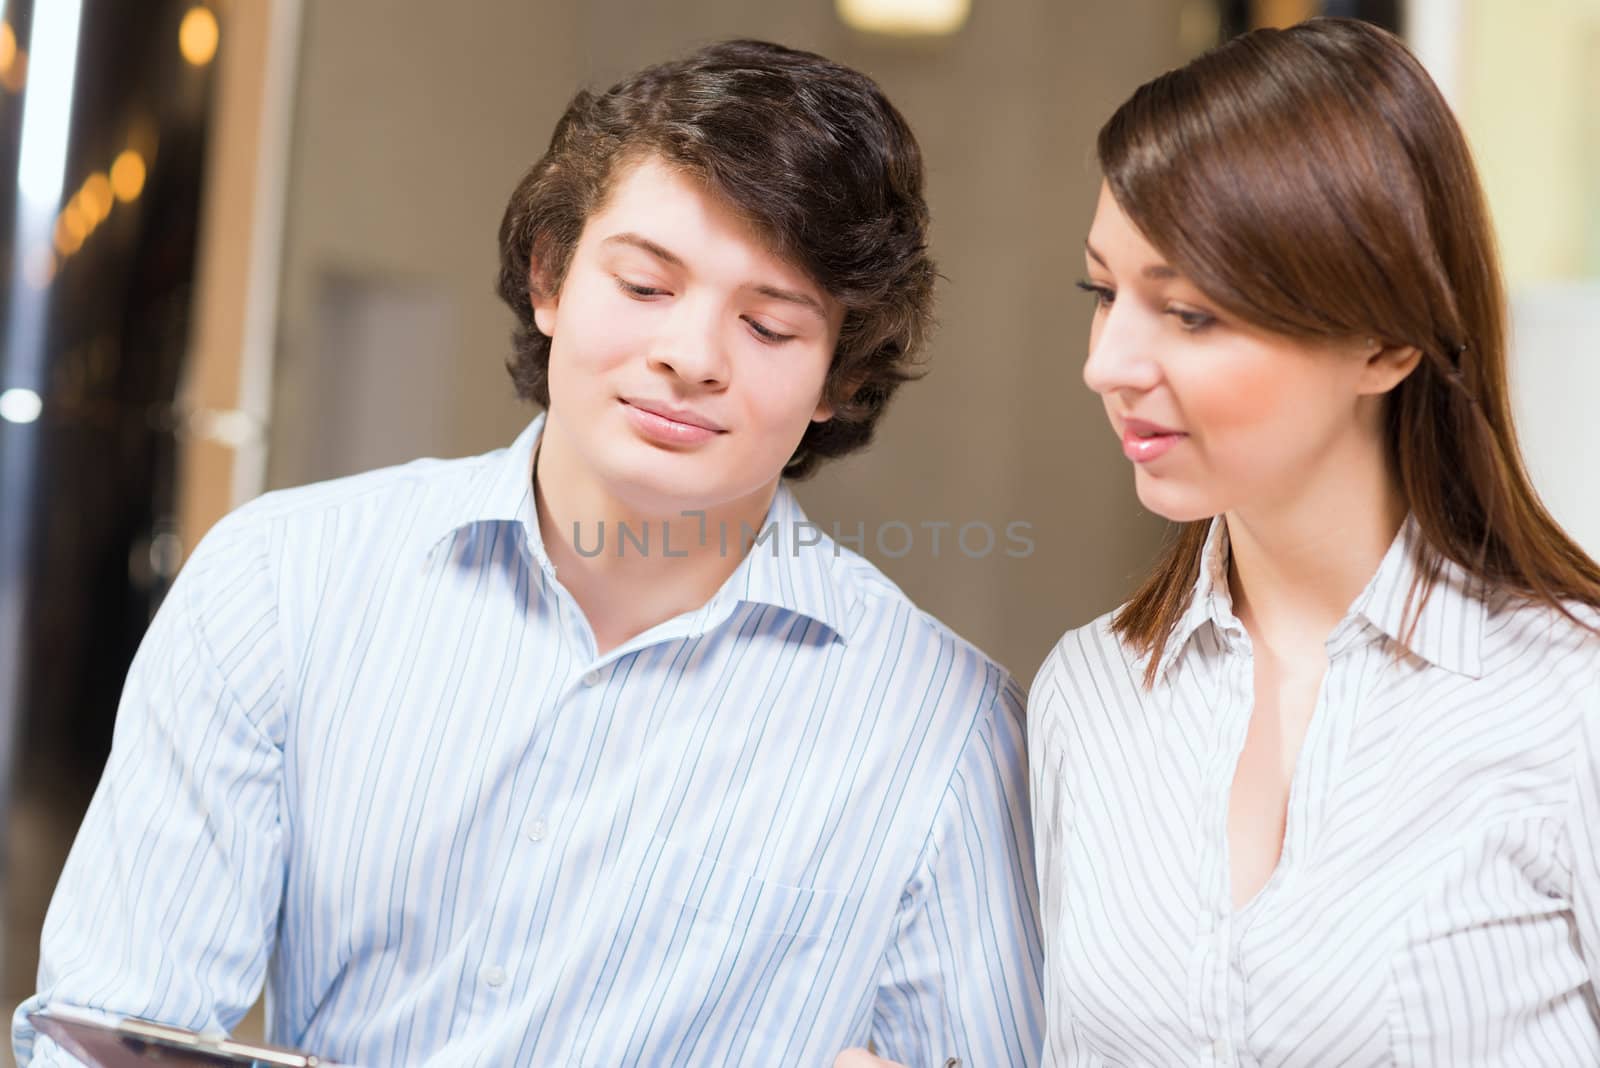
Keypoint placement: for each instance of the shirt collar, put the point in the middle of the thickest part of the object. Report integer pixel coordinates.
(792, 565)
(795, 567)
(1449, 628)
(500, 490)
(1210, 601)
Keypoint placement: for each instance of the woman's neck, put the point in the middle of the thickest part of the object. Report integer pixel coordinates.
(1295, 568)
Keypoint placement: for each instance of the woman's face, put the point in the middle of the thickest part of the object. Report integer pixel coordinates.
(1217, 415)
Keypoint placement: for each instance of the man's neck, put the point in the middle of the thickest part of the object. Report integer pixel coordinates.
(629, 570)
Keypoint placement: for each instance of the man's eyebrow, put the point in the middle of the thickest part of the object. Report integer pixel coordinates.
(1157, 272)
(639, 241)
(665, 255)
(793, 297)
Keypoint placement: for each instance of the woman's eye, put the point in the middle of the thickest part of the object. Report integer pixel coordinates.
(1190, 319)
(1103, 295)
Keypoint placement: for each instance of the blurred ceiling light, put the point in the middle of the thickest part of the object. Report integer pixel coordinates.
(197, 36)
(67, 239)
(96, 197)
(905, 18)
(229, 426)
(20, 405)
(47, 109)
(127, 176)
(8, 46)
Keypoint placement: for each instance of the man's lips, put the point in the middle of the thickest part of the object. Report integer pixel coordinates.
(672, 414)
(668, 426)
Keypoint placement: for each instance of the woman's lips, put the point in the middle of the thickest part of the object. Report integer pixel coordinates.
(1143, 442)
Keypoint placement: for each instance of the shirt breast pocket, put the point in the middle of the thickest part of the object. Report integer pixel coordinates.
(722, 895)
(746, 957)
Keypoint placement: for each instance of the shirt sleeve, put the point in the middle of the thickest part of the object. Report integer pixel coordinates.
(1583, 829)
(168, 902)
(1047, 793)
(961, 978)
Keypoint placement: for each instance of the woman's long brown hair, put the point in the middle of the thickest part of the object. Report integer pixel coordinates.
(1313, 182)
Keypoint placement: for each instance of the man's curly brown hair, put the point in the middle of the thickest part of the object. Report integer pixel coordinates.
(811, 152)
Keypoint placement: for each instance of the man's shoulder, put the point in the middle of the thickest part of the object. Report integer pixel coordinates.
(293, 539)
(888, 619)
(390, 501)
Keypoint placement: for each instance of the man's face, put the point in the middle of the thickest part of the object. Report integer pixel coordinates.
(686, 358)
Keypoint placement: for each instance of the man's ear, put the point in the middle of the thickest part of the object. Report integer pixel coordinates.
(544, 295)
(845, 388)
(1387, 365)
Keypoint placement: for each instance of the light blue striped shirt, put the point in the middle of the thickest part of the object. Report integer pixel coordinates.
(367, 753)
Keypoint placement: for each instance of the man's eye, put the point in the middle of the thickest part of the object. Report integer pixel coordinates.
(768, 335)
(637, 290)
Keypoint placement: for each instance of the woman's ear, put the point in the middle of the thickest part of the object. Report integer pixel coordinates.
(1387, 365)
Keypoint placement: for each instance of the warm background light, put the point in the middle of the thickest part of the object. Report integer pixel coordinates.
(67, 239)
(127, 176)
(87, 220)
(13, 61)
(95, 198)
(197, 36)
(905, 18)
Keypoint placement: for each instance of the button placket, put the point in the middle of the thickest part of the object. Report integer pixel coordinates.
(1217, 918)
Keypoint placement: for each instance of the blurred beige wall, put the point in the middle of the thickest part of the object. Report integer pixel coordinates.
(414, 121)
(1535, 127)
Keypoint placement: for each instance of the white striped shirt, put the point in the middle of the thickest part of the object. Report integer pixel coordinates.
(367, 751)
(1438, 897)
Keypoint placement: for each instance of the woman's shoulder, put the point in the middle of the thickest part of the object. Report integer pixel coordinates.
(1086, 666)
(1519, 631)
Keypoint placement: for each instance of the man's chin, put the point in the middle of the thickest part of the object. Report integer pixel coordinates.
(657, 495)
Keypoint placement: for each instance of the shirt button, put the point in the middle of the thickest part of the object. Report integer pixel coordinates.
(591, 678)
(493, 975)
(535, 830)
(1221, 1048)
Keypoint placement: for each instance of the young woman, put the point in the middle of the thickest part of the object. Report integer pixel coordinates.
(1324, 791)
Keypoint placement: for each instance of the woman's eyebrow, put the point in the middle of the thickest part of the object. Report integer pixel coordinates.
(1158, 272)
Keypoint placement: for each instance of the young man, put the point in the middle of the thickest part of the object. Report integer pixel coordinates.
(531, 758)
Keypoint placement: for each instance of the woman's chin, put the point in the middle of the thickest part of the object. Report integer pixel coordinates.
(1172, 502)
